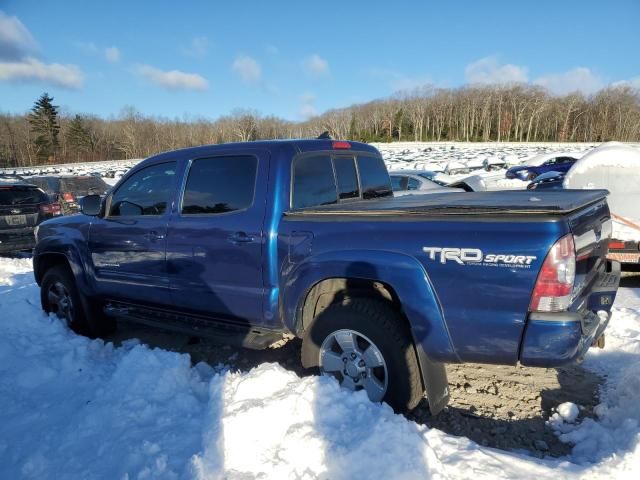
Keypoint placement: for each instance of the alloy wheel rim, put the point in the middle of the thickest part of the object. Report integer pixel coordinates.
(60, 302)
(356, 362)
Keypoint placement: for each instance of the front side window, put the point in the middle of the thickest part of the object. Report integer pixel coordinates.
(346, 177)
(313, 182)
(146, 192)
(220, 185)
(374, 178)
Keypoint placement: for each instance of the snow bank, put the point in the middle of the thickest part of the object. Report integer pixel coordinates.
(75, 408)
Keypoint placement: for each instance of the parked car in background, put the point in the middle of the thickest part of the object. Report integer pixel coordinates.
(417, 182)
(493, 164)
(69, 190)
(539, 165)
(22, 208)
(547, 181)
(441, 179)
(457, 168)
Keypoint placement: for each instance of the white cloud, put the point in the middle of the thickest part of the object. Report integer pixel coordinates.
(33, 70)
(489, 70)
(247, 69)
(579, 79)
(112, 54)
(398, 81)
(307, 107)
(87, 47)
(316, 66)
(632, 82)
(173, 79)
(197, 48)
(16, 41)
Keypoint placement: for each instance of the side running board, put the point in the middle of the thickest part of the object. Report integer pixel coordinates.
(227, 332)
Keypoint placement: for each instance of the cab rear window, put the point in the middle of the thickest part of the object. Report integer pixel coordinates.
(328, 179)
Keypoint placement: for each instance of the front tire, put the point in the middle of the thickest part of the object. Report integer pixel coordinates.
(60, 296)
(366, 345)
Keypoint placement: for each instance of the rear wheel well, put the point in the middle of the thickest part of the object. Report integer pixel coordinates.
(47, 261)
(334, 290)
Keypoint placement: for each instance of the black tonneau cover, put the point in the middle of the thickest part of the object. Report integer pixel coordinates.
(506, 201)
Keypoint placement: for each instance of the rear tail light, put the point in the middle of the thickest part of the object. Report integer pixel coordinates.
(52, 209)
(68, 197)
(554, 286)
(341, 145)
(615, 245)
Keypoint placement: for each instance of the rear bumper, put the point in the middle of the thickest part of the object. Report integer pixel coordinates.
(17, 245)
(17, 240)
(554, 339)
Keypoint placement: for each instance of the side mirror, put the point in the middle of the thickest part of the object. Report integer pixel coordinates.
(91, 205)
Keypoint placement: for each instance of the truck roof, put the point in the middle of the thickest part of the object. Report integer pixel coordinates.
(298, 146)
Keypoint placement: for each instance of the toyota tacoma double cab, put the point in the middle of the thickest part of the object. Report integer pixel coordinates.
(256, 243)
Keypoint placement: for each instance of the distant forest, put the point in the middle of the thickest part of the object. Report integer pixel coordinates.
(520, 113)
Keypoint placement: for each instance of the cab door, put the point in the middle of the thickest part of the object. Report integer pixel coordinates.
(215, 238)
(128, 245)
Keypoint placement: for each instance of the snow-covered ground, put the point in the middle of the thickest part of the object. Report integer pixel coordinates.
(74, 408)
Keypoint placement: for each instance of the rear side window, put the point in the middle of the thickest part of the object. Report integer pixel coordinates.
(413, 184)
(220, 185)
(313, 182)
(374, 178)
(146, 192)
(346, 177)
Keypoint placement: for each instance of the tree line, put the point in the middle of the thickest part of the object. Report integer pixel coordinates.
(522, 113)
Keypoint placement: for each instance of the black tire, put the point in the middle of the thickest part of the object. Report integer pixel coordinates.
(386, 328)
(82, 316)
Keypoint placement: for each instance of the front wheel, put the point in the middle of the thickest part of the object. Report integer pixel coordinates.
(366, 345)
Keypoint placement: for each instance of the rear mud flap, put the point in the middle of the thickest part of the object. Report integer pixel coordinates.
(434, 376)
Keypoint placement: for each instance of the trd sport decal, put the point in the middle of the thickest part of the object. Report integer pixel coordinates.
(475, 256)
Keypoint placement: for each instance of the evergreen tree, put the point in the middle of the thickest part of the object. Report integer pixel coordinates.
(43, 120)
(79, 136)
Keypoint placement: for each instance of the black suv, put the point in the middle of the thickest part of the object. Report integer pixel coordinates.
(68, 190)
(22, 207)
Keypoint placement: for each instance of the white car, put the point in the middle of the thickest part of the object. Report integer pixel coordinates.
(406, 182)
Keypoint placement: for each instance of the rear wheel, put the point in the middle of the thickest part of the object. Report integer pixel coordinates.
(59, 295)
(366, 345)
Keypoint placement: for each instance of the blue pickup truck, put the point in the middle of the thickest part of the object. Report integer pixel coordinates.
(257, 243)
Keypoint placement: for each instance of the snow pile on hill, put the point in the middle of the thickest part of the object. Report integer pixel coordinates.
(75, 408)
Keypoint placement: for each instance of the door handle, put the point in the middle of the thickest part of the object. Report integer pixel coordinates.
(240, 238)
(153, 236)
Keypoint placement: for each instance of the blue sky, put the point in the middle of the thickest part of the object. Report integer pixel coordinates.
(293, 59)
